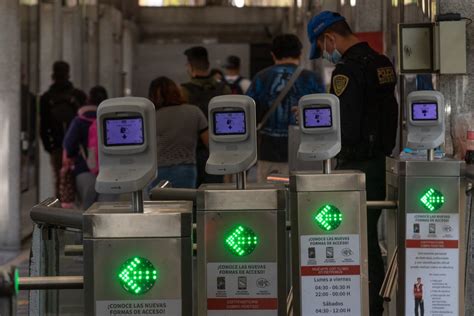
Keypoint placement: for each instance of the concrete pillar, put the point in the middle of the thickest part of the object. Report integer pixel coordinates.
(58, 29)
(110, 62)
(73, 44)
(47, 58)
(368, 16)
(90, 47)
(10, 52)
(129, 46)
(458, 90)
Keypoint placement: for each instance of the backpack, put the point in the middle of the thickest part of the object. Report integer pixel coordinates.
(62, 108)
(92, 151)
(235, 86)
(201, 95)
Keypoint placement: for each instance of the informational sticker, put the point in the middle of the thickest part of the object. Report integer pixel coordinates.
(139, 307)
(330, 275)
(242, 289)
(432, 264)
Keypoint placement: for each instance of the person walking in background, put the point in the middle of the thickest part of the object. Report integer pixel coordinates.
(81, 154)
(217, 74)
(199, 91)
(237, 83)
(57, 109)
(266, 88)
(179, 127)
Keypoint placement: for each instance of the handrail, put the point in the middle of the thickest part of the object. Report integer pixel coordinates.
(173, 194)
(46, 213)
(51, 283)
(382, 205)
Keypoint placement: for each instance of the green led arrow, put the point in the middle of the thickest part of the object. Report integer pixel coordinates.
(328, 217)
(16, 279)
(137, 275)
(241, 241)
(432, 200)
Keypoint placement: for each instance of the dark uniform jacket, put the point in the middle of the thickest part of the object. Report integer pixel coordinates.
(365, 82)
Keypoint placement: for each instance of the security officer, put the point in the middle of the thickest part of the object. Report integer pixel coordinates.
(364, 81)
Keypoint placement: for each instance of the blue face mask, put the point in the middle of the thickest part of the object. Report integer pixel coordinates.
(334, 57)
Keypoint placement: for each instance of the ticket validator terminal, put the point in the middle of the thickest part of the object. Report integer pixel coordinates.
(328, 220)
(431, 208)
(240, 231)
(137, 256)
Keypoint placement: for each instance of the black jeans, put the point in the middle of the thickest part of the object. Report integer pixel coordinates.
(419, 304)
(374, 170)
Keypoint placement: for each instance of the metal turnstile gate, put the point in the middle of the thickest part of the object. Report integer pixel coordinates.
(431, 235)
(329, 244)
(138, 263)
(241, 252)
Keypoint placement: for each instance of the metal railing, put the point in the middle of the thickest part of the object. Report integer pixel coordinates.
(44, 261)
(51, 283)
(47, 214)
(172, 194)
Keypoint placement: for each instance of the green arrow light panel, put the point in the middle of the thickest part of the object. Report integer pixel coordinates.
(137, 275)
(241, 241)
(328, 217)
(432, 200)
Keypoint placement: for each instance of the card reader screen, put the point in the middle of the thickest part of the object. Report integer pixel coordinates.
(229, 123)
(424, 111)
(317, 117)
(124, 131)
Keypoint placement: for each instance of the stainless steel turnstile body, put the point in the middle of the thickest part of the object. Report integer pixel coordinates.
(330, 267)
(470, 237)
(431, 239)
(122, 251)
(243, 280)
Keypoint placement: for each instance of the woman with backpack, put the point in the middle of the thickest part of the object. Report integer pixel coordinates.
(80, 147)
(179, 126)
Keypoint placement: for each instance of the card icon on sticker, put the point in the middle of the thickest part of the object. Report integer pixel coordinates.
(221, 283)
(263, 283)
(242, 283)
(312, 253)
(416, 228)
(347, 252)
(329, 252)
(432, 228)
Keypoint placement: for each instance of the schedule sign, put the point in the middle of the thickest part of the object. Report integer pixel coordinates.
(432, 264)
(330, 275)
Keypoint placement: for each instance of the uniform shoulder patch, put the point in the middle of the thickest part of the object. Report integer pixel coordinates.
(386, 75)
(339, 84)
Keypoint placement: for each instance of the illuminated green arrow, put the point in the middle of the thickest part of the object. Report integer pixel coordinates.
(241, 241)
(328, 217)
(432, 200)
(137, 275)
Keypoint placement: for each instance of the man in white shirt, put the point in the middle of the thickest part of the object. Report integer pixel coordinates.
(236, 82)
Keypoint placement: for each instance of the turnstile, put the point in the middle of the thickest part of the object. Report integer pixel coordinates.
(138, 263)
(431, 235)
(469, 306)
(241, 251)
(329, 243)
